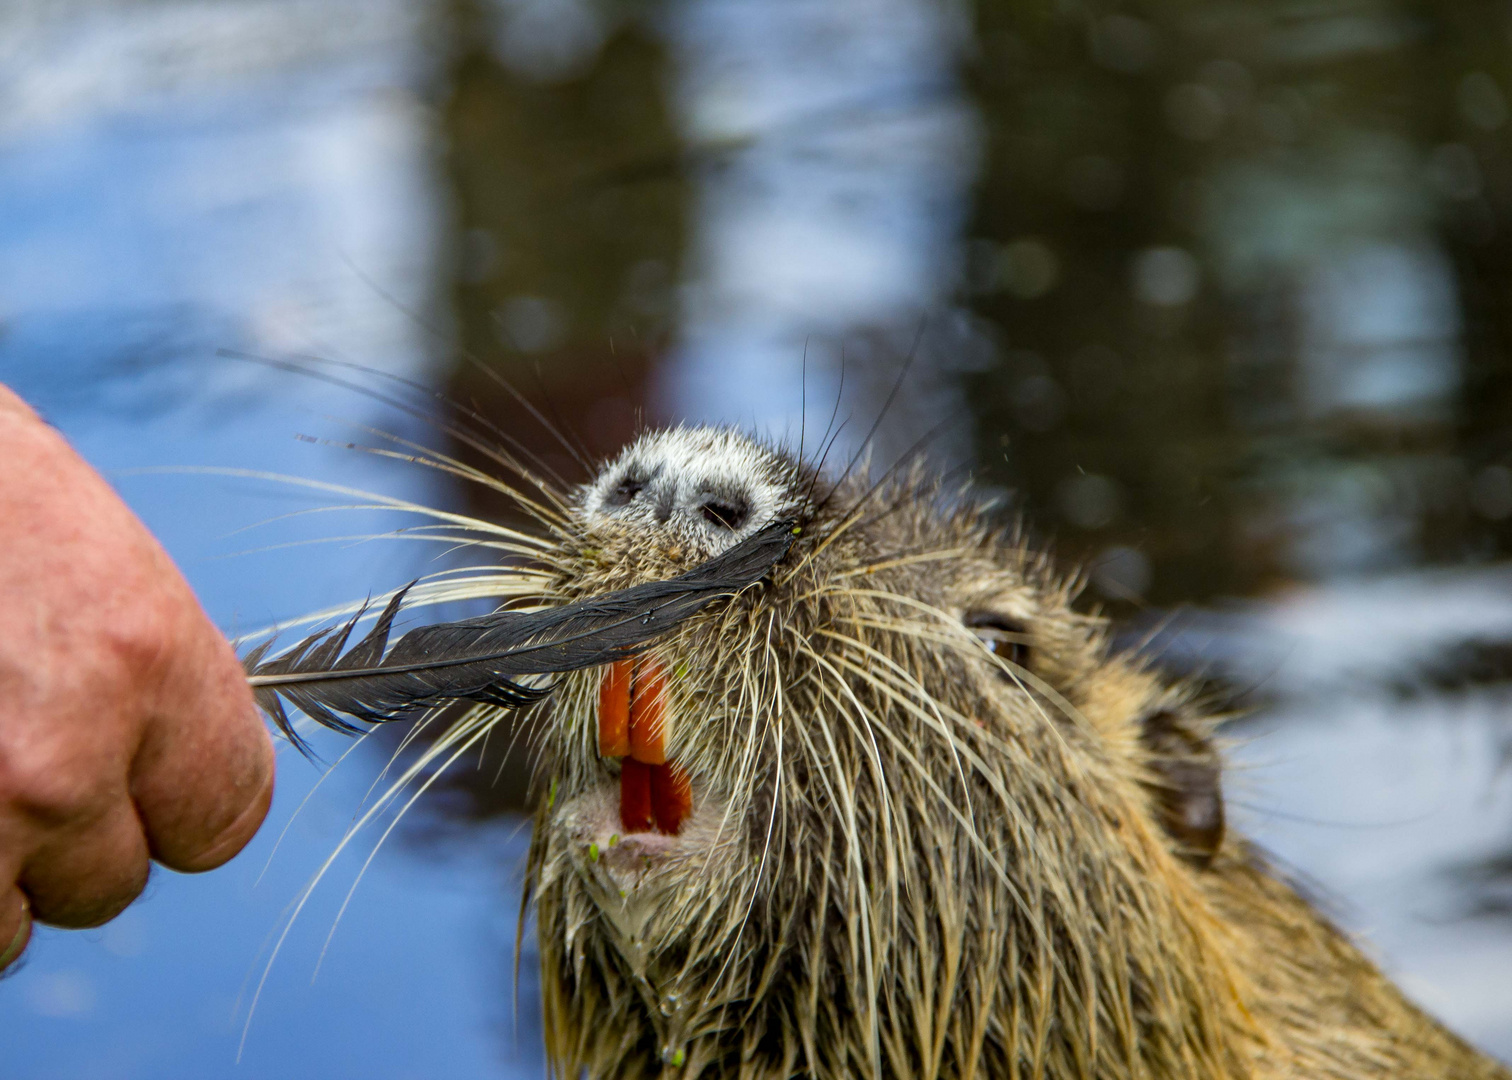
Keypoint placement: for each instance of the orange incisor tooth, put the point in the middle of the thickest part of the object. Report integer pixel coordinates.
(635, 796)
(654, 793)
(648, 712)
(671, 797)
(614, 710)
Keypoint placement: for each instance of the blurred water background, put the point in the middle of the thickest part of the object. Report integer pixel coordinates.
(1219, 295)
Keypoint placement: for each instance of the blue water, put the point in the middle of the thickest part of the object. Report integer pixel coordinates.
(135, 242)
(417, 980)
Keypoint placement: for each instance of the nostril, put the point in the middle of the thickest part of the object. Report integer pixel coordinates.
(623, 492)
(725, 513)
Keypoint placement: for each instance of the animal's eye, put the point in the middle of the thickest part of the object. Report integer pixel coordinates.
(725, 513)
(1005, 637)
(628, 488)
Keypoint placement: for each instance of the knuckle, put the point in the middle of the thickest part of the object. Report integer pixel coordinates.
(144, 639)
(100, 909)
(44, 781)
(91, 897)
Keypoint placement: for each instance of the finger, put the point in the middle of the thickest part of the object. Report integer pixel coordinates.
(15, 926)
(202, 778)
(88, 874)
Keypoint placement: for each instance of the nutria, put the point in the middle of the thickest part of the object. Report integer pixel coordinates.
(899, 810)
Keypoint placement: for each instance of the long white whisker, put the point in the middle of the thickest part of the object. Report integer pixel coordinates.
(440, 745)
(380, 502)
(302, 802)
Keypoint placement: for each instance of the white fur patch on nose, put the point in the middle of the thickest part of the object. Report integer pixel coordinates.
(711, 487)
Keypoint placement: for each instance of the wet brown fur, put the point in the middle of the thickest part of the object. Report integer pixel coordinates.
(913, 858)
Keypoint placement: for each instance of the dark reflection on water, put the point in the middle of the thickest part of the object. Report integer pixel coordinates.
(1231, 282)
(570, 215)
(1246, 269)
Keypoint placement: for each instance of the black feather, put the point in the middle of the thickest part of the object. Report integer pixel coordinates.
(481, 660)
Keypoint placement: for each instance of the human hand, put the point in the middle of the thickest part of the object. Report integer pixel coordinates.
(127, 731)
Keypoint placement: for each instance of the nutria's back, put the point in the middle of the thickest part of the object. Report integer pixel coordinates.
(898, 811)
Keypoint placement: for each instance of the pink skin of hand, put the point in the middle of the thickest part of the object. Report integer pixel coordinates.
(127, 733)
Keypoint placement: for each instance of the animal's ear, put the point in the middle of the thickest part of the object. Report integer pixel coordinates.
(1185, 780)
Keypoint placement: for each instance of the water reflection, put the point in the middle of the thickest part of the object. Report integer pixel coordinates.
(175, 179)
(1225, 259)
(1217, 296)
(827, 223)
(822, 151)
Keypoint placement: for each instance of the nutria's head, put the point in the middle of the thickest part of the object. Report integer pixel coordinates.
(892, 811)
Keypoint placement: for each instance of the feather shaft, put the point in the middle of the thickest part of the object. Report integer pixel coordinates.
(482, 660)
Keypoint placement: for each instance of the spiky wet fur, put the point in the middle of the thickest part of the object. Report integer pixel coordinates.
(910, 858)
